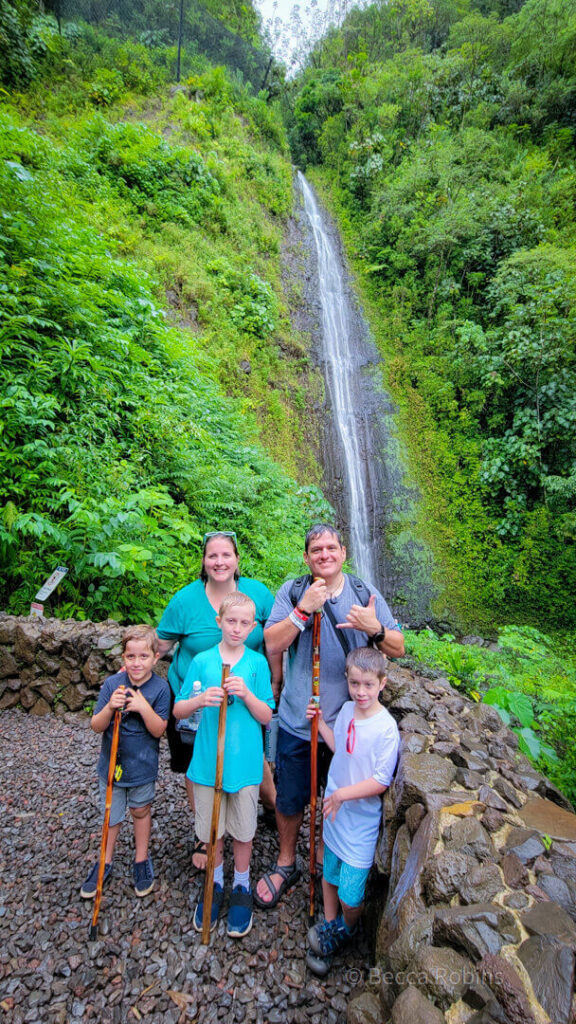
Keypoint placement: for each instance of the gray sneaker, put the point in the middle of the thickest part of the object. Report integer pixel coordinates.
(143, 873)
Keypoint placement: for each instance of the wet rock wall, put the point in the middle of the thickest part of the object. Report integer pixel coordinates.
(55, 664)
(479, 924)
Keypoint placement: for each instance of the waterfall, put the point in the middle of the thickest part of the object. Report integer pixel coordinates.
(344, 355)
(364, 465)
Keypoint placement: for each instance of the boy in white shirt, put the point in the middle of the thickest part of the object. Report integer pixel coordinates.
(365, 742)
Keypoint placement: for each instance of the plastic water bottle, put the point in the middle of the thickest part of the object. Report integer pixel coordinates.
(195, 718)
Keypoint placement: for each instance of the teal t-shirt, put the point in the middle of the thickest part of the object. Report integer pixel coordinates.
(243, 750)
(191, 619)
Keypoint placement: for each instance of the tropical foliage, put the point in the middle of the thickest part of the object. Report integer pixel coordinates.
(443, 136)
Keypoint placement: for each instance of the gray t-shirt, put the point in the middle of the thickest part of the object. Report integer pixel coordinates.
(333, 686)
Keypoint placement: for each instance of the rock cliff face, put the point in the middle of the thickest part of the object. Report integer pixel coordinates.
(478, 849)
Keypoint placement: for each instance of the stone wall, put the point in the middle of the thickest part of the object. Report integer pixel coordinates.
(479, 924)
(55, 665)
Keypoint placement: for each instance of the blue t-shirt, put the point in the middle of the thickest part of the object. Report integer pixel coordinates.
(137, 748)
(191, 619)
(243, 748)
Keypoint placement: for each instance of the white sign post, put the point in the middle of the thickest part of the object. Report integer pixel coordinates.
(37, 606)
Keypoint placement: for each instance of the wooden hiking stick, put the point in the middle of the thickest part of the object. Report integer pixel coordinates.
(106, 823)
(209, 879)
(314, 755)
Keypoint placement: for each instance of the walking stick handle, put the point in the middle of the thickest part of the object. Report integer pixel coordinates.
(211, 857)
(106, 823)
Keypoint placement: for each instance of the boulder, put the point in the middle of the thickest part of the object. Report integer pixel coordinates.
(515, 872)
(26, 638)
(550, 965)
(412, 1007)
(8, 666)
(526, 844)
(364, 1009)
(510, 991)
(418, 775)
(469, 837)
(406, 901)
(444, 873)
(481, 884)
(479, 929)
(441, 973)
(549, 919)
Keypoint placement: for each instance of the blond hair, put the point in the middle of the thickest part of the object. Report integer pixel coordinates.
(146, 633)
(237, 600)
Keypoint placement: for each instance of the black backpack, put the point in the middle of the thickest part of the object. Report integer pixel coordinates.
(362, 592)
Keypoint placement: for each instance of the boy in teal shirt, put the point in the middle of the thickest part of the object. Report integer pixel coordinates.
(252, 702)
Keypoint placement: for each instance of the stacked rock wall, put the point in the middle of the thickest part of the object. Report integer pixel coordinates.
(54, 664)
(479, 925)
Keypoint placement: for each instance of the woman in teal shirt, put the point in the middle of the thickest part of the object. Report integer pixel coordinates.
(190, 621)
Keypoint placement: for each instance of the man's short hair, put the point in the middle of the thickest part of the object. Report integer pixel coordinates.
(237, 600)
(318, 529)
(367, 659)
(147, 633)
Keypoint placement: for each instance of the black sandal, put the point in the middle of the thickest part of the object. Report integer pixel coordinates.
(290, 873)
(201, 848)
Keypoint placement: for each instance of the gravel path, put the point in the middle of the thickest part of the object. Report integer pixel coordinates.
(148, 963)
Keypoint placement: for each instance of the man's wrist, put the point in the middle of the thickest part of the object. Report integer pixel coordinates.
(379, 636)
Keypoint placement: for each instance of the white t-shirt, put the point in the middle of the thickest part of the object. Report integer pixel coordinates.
(353, 834)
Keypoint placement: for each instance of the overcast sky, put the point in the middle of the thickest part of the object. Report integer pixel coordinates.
(283, 40)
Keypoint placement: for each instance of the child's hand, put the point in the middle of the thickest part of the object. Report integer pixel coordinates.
(313, 709)
(332, 805)
(236, 687)
(212, 697)
(118, 698)
(135, 701)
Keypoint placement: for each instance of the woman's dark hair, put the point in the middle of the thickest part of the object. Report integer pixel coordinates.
(214, 536)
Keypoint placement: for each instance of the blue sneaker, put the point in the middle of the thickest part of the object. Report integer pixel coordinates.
(143, 874)
(217, 897)
(327, 938)
(88, 890)
(240, 912)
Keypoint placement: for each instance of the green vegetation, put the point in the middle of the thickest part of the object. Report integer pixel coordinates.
(142, 333)
(528, 676)
(443, 138)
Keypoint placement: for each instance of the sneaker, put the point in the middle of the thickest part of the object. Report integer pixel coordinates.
(319, 965)
(88, 890)
(240, 912)
(327, 938)
(143, 874)
(217, 897)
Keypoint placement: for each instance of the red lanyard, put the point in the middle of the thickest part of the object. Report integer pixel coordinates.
(351, 737)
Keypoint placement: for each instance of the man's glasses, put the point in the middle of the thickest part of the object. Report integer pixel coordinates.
(217, 533)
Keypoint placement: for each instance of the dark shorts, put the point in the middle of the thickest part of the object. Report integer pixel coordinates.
(180, 753)
(292, 774)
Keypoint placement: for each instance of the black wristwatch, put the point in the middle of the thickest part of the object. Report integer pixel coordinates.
(377, 638)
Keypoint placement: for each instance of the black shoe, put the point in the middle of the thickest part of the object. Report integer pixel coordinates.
(143, 873)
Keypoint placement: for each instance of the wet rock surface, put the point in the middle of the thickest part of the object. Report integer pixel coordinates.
(148, 963)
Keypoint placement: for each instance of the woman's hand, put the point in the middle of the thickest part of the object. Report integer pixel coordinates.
(236, 687)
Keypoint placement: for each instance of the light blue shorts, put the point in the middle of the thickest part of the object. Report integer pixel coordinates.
(125, 796)
(350, 882)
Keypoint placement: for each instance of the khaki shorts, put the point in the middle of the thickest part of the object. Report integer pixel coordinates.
(238, 813)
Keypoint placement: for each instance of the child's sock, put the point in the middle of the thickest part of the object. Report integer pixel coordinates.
(241, 878)
(219, 874)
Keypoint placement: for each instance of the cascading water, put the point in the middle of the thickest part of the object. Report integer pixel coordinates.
(364, 471)
(342, 361)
